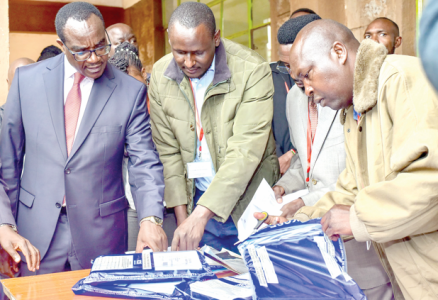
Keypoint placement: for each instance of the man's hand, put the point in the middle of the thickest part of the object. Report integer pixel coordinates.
(12, 242)
(151, 235)
(180, 214)
(271, 220)
(284, 161)
(188, 235)
(291, 208)
(8, 266)
(279, 192)
(336, 222)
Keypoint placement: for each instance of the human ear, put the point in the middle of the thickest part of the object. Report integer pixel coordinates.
(398, 41)
(340, 52)
(60, 43)
(217, 38)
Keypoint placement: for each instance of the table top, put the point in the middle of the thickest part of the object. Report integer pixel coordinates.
(50, 286)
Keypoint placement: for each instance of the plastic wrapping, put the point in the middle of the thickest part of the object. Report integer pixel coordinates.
(149, 267)
(296, 260)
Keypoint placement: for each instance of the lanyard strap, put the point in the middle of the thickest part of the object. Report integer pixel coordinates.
(199, 129)
(287, 88)
(309, 143)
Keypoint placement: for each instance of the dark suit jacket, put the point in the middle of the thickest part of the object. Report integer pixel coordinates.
(91, 177)
(280, 126)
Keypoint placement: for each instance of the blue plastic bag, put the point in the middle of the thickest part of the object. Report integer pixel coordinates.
(149, 267)
(296, 260)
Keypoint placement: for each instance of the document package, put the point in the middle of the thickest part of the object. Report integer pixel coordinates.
(296, 260)
(150, 267)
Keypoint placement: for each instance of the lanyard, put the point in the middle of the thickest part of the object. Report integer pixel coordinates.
(199, 129)
(287, 88)
(309, 143)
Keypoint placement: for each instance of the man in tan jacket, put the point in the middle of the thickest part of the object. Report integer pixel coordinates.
(388, 193)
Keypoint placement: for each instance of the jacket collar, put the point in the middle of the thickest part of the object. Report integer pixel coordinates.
(369, 60)
(222, 72)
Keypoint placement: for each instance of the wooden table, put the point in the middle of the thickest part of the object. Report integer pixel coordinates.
(56, 286)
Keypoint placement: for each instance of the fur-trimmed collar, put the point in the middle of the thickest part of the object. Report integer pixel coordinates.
(369, 60)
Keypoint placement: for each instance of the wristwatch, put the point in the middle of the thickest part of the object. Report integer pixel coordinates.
(157, 221)
(14, 228)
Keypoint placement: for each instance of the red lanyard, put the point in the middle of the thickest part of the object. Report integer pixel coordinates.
(199, 129)
(287, 88)
(309, 143)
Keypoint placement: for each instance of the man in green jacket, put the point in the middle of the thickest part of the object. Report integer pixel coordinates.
(211, 113)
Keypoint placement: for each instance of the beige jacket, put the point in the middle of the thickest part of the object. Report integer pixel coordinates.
(391, 178)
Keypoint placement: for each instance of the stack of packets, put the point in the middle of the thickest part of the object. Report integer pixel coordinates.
(296, 260)
(147, 275)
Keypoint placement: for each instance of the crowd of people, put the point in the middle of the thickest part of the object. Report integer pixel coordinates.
(99, 157)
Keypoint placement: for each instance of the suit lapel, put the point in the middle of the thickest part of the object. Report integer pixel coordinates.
(54, 85)
(325, 121)
(102, 89)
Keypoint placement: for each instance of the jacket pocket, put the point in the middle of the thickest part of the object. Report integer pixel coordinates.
(113, 206)
(26, 198)
(106, 129)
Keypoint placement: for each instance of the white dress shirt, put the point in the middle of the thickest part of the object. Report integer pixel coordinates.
(85, 86)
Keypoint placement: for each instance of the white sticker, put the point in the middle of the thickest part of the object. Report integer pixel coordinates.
(104, 263)
(329, 260)
(146, 258)
(268, 266)
(178, 260)
(199, 169)
(257, 266)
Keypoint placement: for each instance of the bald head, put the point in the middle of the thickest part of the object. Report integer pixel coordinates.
(120, 33)
(384, 31)
(322, 61)
(24, 61)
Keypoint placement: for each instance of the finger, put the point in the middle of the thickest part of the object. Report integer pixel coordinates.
(38, 258)
(183, 242)
(11, 251)
(164, 242)
(324, 223)
(32, 254)
(26, 253)
(175, 241)
(154, 246)
(334, 237)
(140, 246)
(280, 199)
(195, 243)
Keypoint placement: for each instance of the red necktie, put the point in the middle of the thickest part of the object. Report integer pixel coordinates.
(313, 113)
(71, 111)
(72, 107)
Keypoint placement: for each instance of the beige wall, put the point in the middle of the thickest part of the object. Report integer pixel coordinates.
(114, 3)
(29, 45)
(4, 50)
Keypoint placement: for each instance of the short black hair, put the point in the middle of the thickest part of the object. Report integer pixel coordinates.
(289, 30)
(193, 14)
(306, 10)
(125, 55)
(48, 52)
(395, 24)
(79, 11)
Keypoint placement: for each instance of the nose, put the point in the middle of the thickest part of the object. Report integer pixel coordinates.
(375, 38)
(308, 90)
(93, 58)
(189, 61)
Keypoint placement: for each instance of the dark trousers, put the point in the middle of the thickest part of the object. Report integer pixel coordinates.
(217, 234)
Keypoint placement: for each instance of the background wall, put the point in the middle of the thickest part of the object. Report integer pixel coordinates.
(356, 15)
(29, 44)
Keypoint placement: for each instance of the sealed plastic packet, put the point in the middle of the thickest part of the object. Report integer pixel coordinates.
(296, 260)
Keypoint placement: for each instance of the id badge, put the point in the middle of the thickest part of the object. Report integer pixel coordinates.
(199, 169)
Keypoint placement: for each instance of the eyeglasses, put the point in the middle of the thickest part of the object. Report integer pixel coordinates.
(283, 67)
(85, 55)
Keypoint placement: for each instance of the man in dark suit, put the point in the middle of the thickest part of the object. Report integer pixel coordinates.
(72, 116)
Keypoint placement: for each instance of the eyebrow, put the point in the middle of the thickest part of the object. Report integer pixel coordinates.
(79, 48)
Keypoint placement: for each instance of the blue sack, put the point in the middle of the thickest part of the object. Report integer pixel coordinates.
(296, 260)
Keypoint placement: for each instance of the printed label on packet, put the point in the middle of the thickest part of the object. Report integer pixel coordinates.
(106, 263)
(146, 258)
(268, 267)
(329, 260)
(257, 265)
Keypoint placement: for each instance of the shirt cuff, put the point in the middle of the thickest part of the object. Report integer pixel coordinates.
(358, 228)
